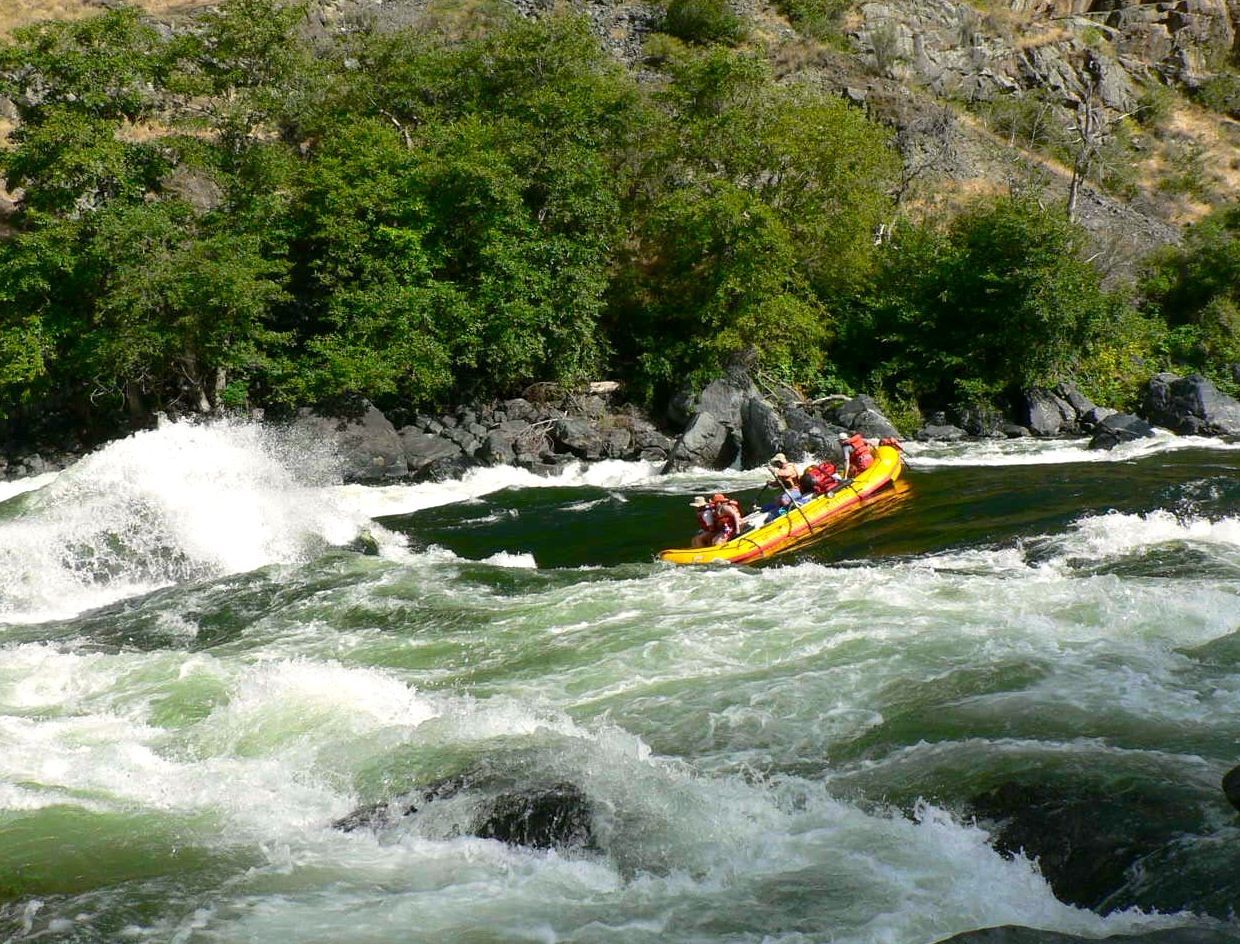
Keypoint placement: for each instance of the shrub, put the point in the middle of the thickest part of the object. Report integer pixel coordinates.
(703, 22)
(1221, 93)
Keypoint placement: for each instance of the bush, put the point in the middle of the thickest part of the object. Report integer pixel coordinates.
(703, 22)
(1221, 94)
(820, 19)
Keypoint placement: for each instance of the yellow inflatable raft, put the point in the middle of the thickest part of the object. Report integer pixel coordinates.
(802, 524)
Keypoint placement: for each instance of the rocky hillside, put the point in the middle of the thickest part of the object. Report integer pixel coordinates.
(987, 96)
(984, 96)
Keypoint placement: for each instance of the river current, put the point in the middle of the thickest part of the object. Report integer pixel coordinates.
(1006, 695)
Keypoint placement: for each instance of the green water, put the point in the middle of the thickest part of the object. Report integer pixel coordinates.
(1033, 647)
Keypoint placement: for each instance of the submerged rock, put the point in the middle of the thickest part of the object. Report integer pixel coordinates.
(1013, 934)
(538, 816)
(1085, 838)
(1231, 787)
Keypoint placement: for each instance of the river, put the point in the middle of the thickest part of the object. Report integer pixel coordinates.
(1004, 696)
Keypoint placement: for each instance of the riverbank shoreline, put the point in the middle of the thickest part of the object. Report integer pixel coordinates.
(729, 423)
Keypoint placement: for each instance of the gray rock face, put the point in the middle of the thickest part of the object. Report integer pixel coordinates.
(940, 434)
(763, 431)
(1047, 414)
(1071, 394)
(1091, 418)
(724, 399)
(497, 448)
(421, 449)
(706, 442)
(1191, 406)
(862, 414)
(579, 436)
(369, 448)
(1120, 428)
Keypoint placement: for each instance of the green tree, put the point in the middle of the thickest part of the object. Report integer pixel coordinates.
(1003, 298)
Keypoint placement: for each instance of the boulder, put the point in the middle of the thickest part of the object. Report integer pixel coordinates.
(1231, 787)
(421, 449)
(762, 432)
(520, 409)
(940, 434)
(1191, 406)
(725, 399)
(1071, 394)
(617, 443)
(538, 816)
(1014, 431)
(705, 442)
(578, 436)
(1092, 417)
(1085, 834)
(497, 448)
(368, 445)
(1046, 414)
(977, 419)
(863, 415)
(647, 438)
(1119, 428)
(447, 469)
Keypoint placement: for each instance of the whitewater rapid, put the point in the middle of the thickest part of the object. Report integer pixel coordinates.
(777, 754)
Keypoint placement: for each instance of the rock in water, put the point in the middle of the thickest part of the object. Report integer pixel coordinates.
(541, 816)
(1119, 428)
(1012, 934)
(1231, 787)
(555, 816)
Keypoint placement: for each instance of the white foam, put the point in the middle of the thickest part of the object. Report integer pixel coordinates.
(181, 502)
(405, 499)
(1099, 537)
(30, 483)
(1033, 451)
(521, 561)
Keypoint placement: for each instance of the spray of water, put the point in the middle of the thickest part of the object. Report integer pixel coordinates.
(182, 502)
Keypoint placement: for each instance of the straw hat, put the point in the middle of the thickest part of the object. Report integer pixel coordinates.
(699, 502)
(778, 459)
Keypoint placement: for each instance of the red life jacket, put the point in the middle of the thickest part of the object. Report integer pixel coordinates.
(724, 521)
(862, 458)
(818, 478)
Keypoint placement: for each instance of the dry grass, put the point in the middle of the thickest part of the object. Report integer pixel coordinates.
(15, 14)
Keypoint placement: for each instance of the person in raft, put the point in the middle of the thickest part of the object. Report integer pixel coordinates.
(820, 479)
(720, 519)
(787, 478)
(857, 454)
(706, 521)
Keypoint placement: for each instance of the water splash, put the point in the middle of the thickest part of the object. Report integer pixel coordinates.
(182, 502)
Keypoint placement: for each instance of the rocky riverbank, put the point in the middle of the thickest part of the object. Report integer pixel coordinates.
(730, 422)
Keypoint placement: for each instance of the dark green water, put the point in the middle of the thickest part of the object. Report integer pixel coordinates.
(1005, 697)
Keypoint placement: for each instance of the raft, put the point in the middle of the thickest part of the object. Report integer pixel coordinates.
(801, 524)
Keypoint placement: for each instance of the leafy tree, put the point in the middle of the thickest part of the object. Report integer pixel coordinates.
(1195, 288)
(1002, 298)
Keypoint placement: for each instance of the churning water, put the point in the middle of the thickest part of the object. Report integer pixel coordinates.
(1005, 697)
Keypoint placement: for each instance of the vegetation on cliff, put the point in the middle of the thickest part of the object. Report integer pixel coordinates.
(236, 213)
